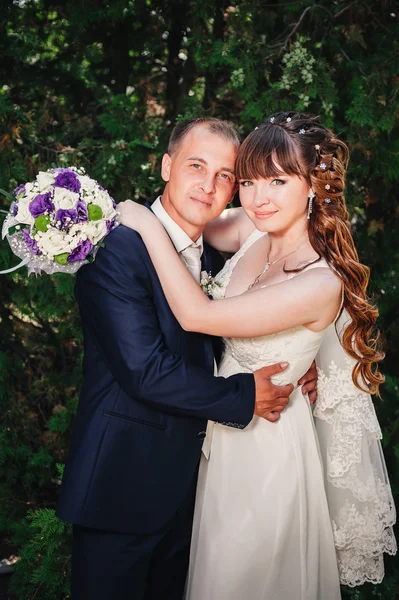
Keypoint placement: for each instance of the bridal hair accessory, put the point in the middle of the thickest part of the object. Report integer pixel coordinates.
(302, 131)
(328, 200)
(311, 197)
(57, 222)
(323, 166)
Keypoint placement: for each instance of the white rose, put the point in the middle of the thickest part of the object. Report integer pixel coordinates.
(30, 191)
(95, 230)
(64, 199)
(103, 199)
(45, 181)
(53, 241)
(87, 183)
(23, 215)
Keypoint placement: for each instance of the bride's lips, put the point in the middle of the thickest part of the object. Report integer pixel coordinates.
(265, 214)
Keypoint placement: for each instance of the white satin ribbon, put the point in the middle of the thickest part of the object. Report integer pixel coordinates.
(21, 264)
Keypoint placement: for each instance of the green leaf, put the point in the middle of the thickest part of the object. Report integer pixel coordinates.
(7, 195)
(41, 222)
(95, 212)
(16, 228)
(61, 259)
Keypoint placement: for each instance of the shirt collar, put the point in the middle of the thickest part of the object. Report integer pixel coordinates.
(180, 239)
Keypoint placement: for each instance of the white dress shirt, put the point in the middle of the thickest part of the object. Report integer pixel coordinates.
(190, 252)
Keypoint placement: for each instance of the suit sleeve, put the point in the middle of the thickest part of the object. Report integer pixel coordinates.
(116, 303)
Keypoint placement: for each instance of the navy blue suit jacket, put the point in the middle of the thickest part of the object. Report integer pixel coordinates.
(147, 394)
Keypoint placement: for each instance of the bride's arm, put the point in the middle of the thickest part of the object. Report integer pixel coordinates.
(312, 297)
(228, 232)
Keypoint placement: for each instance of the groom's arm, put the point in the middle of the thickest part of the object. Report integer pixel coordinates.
(116, 302)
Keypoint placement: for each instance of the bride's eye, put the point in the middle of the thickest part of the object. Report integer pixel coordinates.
(246, 183)
(278, 182)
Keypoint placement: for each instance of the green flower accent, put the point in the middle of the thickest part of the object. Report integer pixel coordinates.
(61, 259)
(95, 212)
(41, 222)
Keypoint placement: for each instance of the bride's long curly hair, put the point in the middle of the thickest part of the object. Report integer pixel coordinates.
(298, 144)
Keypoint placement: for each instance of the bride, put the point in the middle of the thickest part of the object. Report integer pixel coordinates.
(291, 509)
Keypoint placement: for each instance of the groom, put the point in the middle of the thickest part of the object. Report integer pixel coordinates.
(130, 478)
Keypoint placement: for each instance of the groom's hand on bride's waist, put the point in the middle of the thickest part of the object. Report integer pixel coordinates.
(270, 399)
(309, 383)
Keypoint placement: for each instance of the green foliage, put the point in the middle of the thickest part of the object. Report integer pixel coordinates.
(99, 85)
(45, 560)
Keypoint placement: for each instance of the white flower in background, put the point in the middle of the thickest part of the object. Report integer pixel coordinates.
(45, 181)
(23, 215)
(53, 242)
(64, 199)
(104, 201)
(95, 230)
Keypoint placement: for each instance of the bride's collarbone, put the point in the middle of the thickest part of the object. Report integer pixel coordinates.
(251, 265)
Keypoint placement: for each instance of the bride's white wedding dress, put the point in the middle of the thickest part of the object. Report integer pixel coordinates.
(262, 525)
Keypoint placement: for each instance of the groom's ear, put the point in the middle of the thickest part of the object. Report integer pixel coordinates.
(165, 168)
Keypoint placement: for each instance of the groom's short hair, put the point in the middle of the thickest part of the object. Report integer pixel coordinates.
(217, 126)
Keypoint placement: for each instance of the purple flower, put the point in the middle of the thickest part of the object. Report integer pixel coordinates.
(109, 225)
(66, 217)
(68, 180)
(31, 243)
(100, 187)
(14, 209)
(113, 202)
(20, 190)
(81, 210)
(81, 251)
(41, 204)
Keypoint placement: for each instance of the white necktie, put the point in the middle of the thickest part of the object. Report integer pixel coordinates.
(192, 258)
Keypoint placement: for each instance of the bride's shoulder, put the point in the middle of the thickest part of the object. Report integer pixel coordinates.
(320, 278)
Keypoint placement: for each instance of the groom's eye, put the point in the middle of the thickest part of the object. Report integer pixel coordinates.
(196, 166)
(246, 183)
(227, 176)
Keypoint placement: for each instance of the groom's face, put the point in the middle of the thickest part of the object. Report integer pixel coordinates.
(200, 179)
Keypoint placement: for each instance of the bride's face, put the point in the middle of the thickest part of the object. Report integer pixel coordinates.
(275, 204)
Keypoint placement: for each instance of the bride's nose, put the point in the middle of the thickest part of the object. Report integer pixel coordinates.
(261, 198)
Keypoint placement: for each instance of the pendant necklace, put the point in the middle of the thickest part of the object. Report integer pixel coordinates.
(268, 264)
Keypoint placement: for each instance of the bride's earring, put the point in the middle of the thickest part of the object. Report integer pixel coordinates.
(311, 196)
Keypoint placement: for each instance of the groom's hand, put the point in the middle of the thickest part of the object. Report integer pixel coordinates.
(309, 383)
(270, 399)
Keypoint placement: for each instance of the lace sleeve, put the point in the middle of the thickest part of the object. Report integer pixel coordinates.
(358, 491)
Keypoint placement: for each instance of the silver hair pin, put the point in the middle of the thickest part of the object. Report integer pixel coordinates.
(327, 200)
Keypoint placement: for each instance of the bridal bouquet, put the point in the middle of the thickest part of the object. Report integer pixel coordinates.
(57, 222)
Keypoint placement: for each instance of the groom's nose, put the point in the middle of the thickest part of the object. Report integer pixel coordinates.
(207, 185)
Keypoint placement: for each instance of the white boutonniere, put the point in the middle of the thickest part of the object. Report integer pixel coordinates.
(209, 284)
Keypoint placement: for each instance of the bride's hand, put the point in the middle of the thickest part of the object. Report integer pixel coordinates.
(136, 216)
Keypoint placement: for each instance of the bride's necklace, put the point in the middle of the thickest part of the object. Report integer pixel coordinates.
(268, 263)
